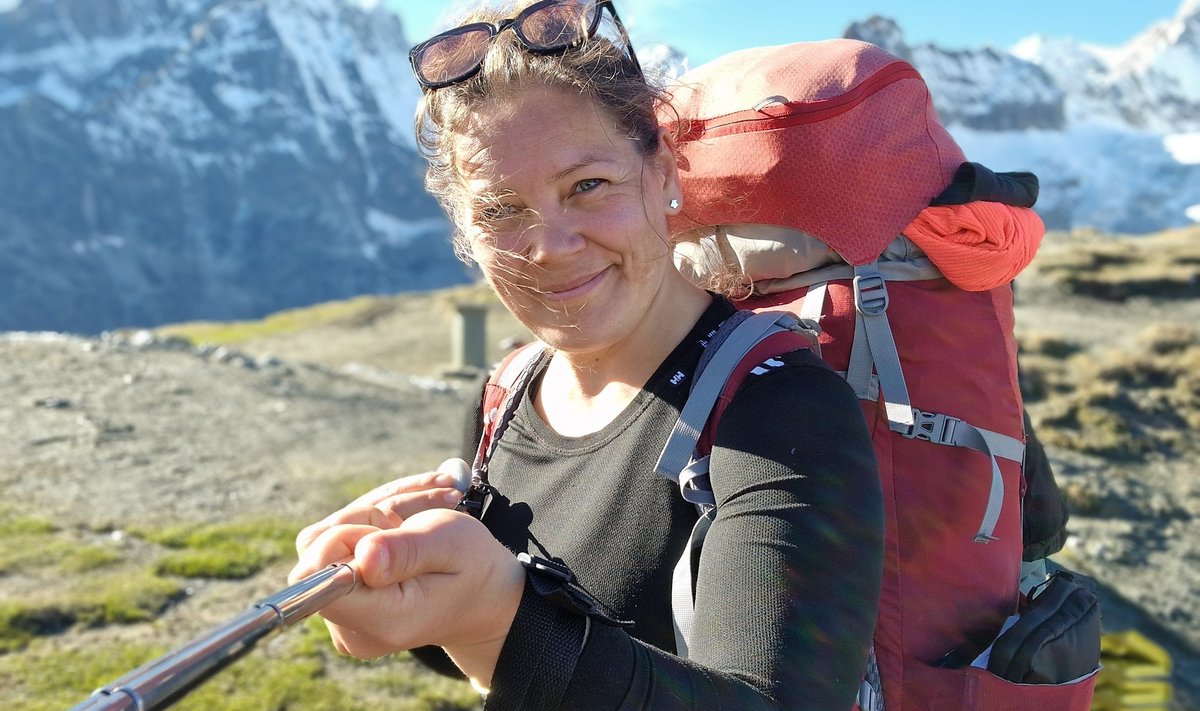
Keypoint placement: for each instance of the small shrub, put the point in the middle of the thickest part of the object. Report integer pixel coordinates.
(1049, 345)
(1165, 338)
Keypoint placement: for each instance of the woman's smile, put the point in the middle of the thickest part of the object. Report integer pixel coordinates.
(575, 288)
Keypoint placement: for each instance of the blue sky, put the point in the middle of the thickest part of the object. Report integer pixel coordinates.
(704, 29)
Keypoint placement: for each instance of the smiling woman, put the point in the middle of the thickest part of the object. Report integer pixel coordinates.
(578, 255)
(551, 581)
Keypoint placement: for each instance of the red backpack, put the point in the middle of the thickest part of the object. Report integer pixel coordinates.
(810, 169)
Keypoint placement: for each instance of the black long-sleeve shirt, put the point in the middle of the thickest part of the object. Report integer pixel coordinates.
(789, 575)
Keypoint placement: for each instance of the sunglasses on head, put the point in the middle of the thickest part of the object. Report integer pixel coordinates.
(545, 27)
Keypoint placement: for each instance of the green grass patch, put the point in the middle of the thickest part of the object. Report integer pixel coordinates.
(12, 524)
(93, 602)
(20, 622)
(53, 551)
(281, 323)
(227, 551)
(43, 679)
(297, 671)
(226, 561)
(416, 689)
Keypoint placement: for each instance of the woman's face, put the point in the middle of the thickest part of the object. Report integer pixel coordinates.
(567, 218)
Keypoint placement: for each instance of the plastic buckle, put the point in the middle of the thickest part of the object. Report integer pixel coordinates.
(553, 580)
(551, 568)
(932, 427)
(476, 499)
(870, 294)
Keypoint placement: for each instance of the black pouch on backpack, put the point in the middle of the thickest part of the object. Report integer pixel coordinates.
(1055, 640)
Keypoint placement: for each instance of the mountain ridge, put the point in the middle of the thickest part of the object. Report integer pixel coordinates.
(182, 159)
(177, 160)
(1111, 132)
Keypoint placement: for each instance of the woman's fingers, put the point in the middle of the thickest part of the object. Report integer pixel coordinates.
(452, 474)
(406, 485)
(431, 542)
(386, 513)
(409, 504)
(333, 546)
(361, 515)
(450, 580)
(402, 497)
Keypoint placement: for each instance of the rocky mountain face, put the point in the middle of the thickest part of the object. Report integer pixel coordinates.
(1113, 133)
(168, 160)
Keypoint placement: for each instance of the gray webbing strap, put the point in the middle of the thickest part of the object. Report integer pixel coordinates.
(676, 461)
(943, 429)
(681, 444)
(871, 302)
(966, 435)
(694, 484)
(683, 608)
(859, 371)
(919, 269)
(813, 305)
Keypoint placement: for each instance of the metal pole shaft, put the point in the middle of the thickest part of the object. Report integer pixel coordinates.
(157, 681)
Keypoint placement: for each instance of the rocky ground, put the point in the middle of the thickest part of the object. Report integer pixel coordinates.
(141, 429)
(1110, 331)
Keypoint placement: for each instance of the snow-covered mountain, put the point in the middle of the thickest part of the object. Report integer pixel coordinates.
(165, 160)
(1113, 133)
(168, 160)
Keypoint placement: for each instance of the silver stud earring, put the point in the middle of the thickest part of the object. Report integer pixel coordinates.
(674, 204)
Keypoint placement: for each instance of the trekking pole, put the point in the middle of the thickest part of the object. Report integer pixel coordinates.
(160, 682)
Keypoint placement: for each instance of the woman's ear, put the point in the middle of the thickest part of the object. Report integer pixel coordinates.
(669, 169)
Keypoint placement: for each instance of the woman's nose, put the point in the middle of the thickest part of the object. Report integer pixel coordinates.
(553, 238)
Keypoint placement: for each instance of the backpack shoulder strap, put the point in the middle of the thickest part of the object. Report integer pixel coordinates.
(746, 343)
(743, 343)
(503, 391)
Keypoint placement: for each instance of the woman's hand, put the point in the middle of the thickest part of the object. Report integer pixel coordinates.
(397, 500)
(430, 576)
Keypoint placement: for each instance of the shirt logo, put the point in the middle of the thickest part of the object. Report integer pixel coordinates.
(769, 364)
(678, 377)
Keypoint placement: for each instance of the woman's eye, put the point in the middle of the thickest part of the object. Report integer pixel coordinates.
(497, 211)
(584, 186)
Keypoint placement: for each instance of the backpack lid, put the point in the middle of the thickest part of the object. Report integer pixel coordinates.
(838, 139)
